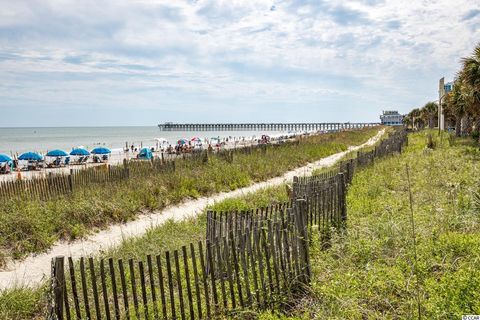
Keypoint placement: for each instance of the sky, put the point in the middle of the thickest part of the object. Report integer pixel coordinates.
(139, 62)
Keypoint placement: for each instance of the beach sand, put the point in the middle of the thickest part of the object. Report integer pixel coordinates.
(116, 158)
(36, 268)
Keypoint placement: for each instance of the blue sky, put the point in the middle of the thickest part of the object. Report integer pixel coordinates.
(119, 62)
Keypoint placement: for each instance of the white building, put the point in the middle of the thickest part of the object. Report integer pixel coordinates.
(391, 118)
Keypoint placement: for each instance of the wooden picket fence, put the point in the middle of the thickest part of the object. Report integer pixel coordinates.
(249, 260)
(54, 185)
(394, 143)
(255, 267)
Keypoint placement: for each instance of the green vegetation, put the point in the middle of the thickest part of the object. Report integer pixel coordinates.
(25, 303)
(369, 271)
(461, 106)
(33, 226)
(173, 235)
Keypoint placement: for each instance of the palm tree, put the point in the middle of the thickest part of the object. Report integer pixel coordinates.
(407, 121)
(413, 117)
(430, 110)
(448, 112)
(461, 105)
(470, 75)
(456, 102)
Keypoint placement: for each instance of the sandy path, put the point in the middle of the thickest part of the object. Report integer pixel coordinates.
(35, 268)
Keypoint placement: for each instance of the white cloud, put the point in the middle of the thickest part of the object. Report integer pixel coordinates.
(364, 54)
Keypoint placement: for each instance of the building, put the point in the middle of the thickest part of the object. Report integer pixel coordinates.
(391, 118)
(448, 87)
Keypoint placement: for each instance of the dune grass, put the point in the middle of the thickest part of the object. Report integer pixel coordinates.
(24, 303)
(33, 226)
(27, 303)
(121, 202)
(370, 271)
(174, 234)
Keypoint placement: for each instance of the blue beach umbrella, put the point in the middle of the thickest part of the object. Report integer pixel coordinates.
(145, 153)
(101, 150)
(57, 153)
(4, 158)
(79, 152)
(31, 156)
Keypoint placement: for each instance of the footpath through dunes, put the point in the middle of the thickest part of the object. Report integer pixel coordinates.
(36, 214)
(31, 271)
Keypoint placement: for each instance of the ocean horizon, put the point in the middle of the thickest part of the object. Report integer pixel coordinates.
(16, 140)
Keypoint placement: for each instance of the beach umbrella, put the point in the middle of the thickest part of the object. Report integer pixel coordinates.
(101, 150)
(182, 141)
(145, 153)
(196, 139)
(31, 156)
(57, 153)
(5, 158)
(79, 152)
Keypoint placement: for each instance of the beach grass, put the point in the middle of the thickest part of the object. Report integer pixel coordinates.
(172, 235)
(31, 303)
(32, 226)
(371, 270)
(24, 303)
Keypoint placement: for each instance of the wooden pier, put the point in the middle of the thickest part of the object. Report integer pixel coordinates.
(169, 126)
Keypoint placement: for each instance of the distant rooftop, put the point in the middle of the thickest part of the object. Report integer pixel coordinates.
(391, 118)
(390, 112)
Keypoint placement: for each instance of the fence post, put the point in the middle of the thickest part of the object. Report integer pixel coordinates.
(58, 288)
(70, 180)
(294, 187)
(211, 226)
(343, 199)
(302, 235)
(125, 168)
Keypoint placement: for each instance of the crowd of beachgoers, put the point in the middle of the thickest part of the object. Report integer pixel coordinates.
(31, 164)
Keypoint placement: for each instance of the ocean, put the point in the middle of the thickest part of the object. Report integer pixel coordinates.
(19, 140)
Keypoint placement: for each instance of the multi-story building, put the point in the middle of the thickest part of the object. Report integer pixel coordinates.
(448, 86)
(391, 118)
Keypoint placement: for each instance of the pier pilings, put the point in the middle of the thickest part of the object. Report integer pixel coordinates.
(263, 126)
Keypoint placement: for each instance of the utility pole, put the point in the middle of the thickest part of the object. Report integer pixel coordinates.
(441, 94)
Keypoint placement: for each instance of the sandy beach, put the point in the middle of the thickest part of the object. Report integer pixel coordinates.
(36, 268)
(117, 157)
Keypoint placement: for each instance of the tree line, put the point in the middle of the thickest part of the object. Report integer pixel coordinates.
(461, 106)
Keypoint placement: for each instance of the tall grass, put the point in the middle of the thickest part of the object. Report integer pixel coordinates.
(27, 303)
(369, 270)
(33, 226)
(174, 234)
